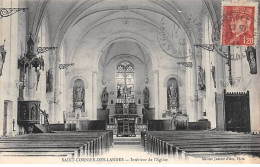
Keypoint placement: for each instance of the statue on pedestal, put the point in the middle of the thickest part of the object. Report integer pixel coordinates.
(213, 72)
(38, 75)
(2, 58)
(49, 81)
(251, 58)
(78, 95)
(201, 79)
(104, 98)
(172, 94)
(119, 92)
(146, 94)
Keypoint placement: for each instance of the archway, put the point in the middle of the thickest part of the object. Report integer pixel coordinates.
(125, 69)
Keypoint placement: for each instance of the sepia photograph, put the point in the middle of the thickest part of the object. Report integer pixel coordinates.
(129, 82)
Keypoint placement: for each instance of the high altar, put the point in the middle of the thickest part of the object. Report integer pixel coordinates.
(125, 115)
(126, 104)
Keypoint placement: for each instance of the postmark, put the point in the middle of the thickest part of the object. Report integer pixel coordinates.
(222, 50)
(225, 22)
(239, 24)
(170, 39)
(235, 82)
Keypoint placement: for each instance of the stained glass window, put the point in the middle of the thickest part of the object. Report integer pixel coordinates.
(125, 82)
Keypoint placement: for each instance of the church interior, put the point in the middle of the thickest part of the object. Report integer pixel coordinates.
(102, 74)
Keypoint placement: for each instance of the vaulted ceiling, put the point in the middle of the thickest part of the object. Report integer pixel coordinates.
(89, 26)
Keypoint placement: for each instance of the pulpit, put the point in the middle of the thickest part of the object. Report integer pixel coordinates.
(28, 112)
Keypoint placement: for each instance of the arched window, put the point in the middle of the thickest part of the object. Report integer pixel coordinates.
(125, 82)
(172, 94)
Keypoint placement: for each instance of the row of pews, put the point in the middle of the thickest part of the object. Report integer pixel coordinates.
(69, 144)
(198, 144)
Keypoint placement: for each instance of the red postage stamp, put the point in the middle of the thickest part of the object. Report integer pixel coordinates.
(239, 24)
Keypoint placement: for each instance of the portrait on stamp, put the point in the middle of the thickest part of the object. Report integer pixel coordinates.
(238, 25)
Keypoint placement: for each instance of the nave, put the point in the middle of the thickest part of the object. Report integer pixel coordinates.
(78, 78)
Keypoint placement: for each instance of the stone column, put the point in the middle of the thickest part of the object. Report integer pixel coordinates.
(200, 108)
(50, 95)
(156, 94)
(31, 83)
(57, 92)
(195, 89)
(220, 71)
(94, 94)
(31, 73)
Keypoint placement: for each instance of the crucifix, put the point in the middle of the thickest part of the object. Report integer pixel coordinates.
(125, 91)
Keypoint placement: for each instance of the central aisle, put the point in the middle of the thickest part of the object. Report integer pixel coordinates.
(128, 149)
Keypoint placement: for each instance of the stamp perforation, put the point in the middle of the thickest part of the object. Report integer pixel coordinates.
(255, 20)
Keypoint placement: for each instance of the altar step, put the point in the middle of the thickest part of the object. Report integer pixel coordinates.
(127, 140)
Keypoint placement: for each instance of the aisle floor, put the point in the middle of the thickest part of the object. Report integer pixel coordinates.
(130, 152)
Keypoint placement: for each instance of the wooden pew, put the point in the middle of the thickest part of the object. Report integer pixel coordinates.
(181, 144)
(183, 140)
(190, 139)
(75, 144)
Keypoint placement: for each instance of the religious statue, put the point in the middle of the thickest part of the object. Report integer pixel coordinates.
(129, 91)
(213, 72)
(78, 96)
(1, 64)
(167, 113)
(2, 58)
(41, 63)
(251, 58)
(104, 97)
(38, 74)
(33, 113)
(172, 93)
(201, 79)
(49, 81)
(46, 121)
(119, 93)
(146, 97)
